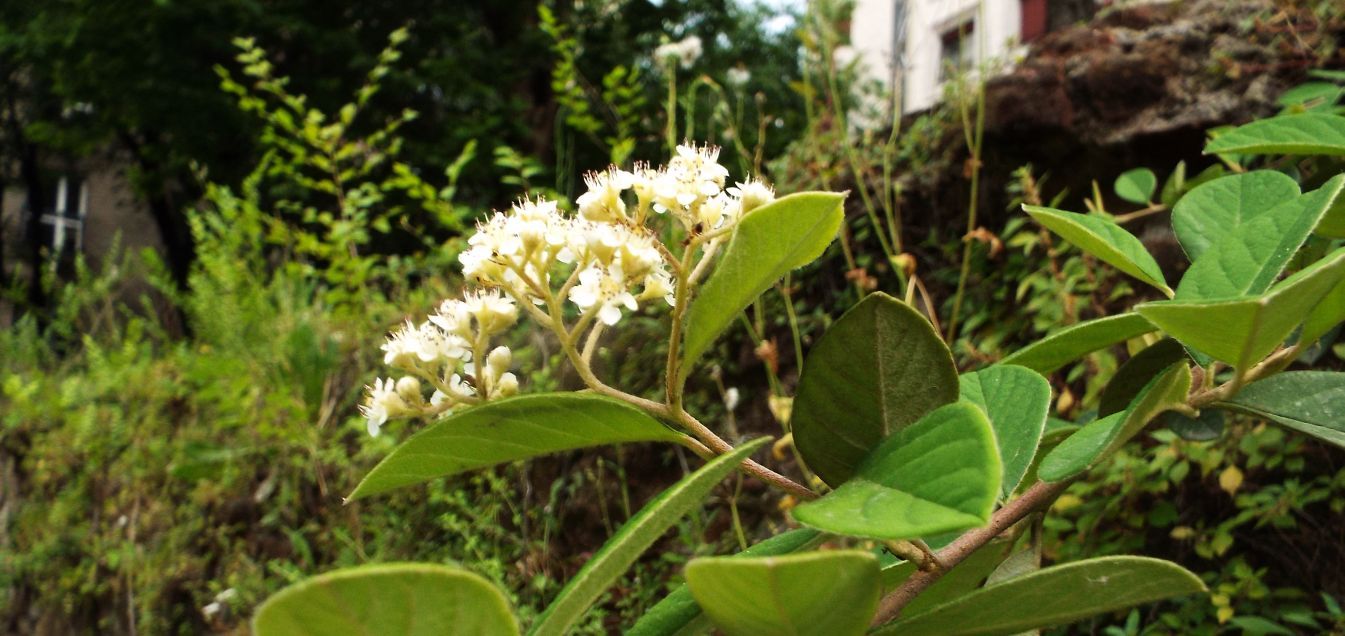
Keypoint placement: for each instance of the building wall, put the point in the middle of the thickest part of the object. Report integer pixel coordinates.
(115, 218)
(873, 33)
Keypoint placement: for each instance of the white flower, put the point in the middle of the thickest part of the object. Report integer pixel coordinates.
(602, 201)
(421, 344)
(738, 76)
(684, 52)
(659, 283)
(605, 288)
(731, 397)
(493, 311)
(382, 403)
(752, 194)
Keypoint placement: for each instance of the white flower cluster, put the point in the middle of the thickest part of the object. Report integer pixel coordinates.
(604, 259)
(685, 51)
(444, 351)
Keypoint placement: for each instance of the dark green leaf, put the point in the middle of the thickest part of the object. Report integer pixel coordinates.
(510, 429)
(1307, 401)
(1053, 596)
(410, 599)
(771, 240)
(1208, 427)
(881, 367)
(1136, 373)
(1074, 342)
(967, 576)
(1017, 402)
(937, 475)
(820, 593)
(640, 532)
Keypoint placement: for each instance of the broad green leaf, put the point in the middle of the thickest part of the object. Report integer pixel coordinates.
(510, 429)
(1053, 596)
(1242, 332)
(937, 475)
(822, 593)
(410, 599)
(678, 613)
(1076, 341)
(967, 576)
(771, 240)
(638, 533)
(1247, 261)
(1017, 402)
(1307, 401)
(1104, 239)
(1136, 186)
(1216, 210)
(879, 368)
(1100, 438)
(1306, 134)
(1136, 373)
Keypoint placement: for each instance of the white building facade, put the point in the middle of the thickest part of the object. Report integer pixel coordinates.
(914, 45)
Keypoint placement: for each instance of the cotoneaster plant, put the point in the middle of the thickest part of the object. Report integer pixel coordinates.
(929, 480)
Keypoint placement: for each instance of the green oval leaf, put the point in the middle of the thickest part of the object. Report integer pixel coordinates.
(1104, 239)
(640, 532)
(1017, 402)
(1136, 186)
(880, 368)
(678, 612)
(1053, 596)
(1249, 259)
(1208, 427)
(1305, 134)
(771, 240)
(1215, 210)
(1136, 374)
(413, 599)
(1100, 438)
(510, 429)
(937, 475)
(821, 593)
(1242, 332)
(1306, 401)
(1076, 341)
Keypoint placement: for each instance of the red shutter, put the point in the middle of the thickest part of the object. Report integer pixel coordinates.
(1034, 19)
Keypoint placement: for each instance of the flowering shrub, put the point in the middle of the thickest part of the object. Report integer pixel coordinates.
(927, 480)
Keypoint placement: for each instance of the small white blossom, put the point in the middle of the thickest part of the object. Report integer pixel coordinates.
(731, 397)
(738, 76)
(602, 202)
(685, 51)
(752, 194)
(382, 403)
(605, 288)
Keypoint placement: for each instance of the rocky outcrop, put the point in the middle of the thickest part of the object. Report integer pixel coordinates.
(1159, 68)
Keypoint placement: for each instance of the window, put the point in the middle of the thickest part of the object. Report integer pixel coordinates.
(66, 217)
(955, 52)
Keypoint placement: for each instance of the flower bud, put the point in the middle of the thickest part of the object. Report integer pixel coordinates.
(409, 389)
(507, 385)
(499, 360)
